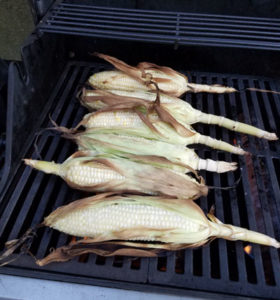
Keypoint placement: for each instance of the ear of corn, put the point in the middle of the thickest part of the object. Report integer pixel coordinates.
(108, 80)
(132, 225)
(168, 80)
(124, 145)
(129, 123)
(107, 173)
(170, 85)
(138, 218)
(181, 110)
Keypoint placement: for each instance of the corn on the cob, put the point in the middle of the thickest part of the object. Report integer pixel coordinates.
(168, 223)
(140, 78)
(126, 123)
(180, 110)
(106, 173)
(124, 145)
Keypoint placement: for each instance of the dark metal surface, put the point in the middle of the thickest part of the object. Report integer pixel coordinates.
(175, 28)
(30, 83)
(221, 267)
(3, 113)
(39, 8)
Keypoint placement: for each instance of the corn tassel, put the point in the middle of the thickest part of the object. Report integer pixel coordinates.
(106, 173)
(125, 221)
(180, 110)
(142, 77)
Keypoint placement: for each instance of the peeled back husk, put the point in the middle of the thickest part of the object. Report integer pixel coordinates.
(139, 226)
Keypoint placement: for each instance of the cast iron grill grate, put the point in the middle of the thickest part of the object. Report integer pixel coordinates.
(162, 27)
(221, 267)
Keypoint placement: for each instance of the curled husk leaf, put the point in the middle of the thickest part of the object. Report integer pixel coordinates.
(141, 107)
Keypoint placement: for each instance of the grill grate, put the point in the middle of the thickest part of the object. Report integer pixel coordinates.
(222, 266)
(163, 27)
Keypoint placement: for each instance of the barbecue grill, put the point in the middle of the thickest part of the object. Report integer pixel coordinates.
(238, 51)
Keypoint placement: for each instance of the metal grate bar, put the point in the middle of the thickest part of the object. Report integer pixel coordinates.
(266, 214)
(267, 105)
(78, 116)
(164, 27)
(11, 205)
(204, 201)
(116, 28)
(115, 9)
(273, 87)
(46, 192)
(38, 179)
(153, 39)
(25, 175)
(274, 102)
(268, 156)
(199, 37)
(48, 233)
(219, 209)
(188, 265)
(115, 21)
(205, 32)
(234, 198)
(252, 202)
(98, 20)
(65, 122)
(163, 23)
(170, 263)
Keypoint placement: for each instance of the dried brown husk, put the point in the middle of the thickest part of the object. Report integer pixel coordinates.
(142, 74)
(107, 249)
(115, 103)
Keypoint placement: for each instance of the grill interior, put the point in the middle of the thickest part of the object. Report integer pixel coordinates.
(222, 266)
